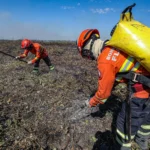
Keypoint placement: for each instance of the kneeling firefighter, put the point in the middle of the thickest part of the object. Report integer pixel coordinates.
(39, 51)
(112, 64)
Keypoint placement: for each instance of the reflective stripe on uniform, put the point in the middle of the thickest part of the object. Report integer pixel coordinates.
(127, 64)
(36, 58)
(118, 79)
(142, 133)
(136, 66)
(146, 127)
(123, 144)
(104, 100)
(36, 68)
(124, 136)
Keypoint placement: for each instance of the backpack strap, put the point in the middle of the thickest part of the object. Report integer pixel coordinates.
(135, 78)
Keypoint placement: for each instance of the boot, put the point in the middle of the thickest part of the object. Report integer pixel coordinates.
(35, 71)
(142, 141)
(113, 147)
(104, 147)
(108, 147)
(51, 67)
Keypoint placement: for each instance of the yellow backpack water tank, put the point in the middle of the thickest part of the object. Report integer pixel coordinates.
(133, 38)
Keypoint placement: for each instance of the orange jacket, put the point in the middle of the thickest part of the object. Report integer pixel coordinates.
(38, 50)
(110, 62)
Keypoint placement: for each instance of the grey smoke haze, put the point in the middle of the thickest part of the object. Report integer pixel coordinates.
(55, 30)
(11, 29)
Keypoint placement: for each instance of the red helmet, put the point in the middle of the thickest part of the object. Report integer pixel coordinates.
(26, 43)
(85, 35)
(84, 38)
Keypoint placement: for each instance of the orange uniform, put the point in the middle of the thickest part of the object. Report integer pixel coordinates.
(110, 62)
(38, 50)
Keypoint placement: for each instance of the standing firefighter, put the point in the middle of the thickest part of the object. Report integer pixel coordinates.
(38, 50)
(111, 62)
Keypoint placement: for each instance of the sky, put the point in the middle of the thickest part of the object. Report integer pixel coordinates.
(64, 19)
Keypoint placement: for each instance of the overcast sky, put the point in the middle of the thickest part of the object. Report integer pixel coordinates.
(64, 19)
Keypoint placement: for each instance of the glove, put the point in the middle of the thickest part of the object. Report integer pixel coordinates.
(88, 108)
(89, 103)
(85, 104)
(17, 57)
(29, 62)
(95, 110)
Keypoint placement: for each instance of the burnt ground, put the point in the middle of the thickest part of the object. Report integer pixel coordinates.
(34, 110)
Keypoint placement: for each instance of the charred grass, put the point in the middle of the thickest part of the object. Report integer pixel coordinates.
(34, 110)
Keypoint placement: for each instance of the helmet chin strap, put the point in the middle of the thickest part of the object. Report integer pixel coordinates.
(88, 52)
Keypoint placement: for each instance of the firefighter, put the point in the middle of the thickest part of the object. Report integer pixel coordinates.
(39, 51)
(110, 62)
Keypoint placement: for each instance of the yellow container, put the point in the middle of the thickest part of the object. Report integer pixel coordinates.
(133, 38)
